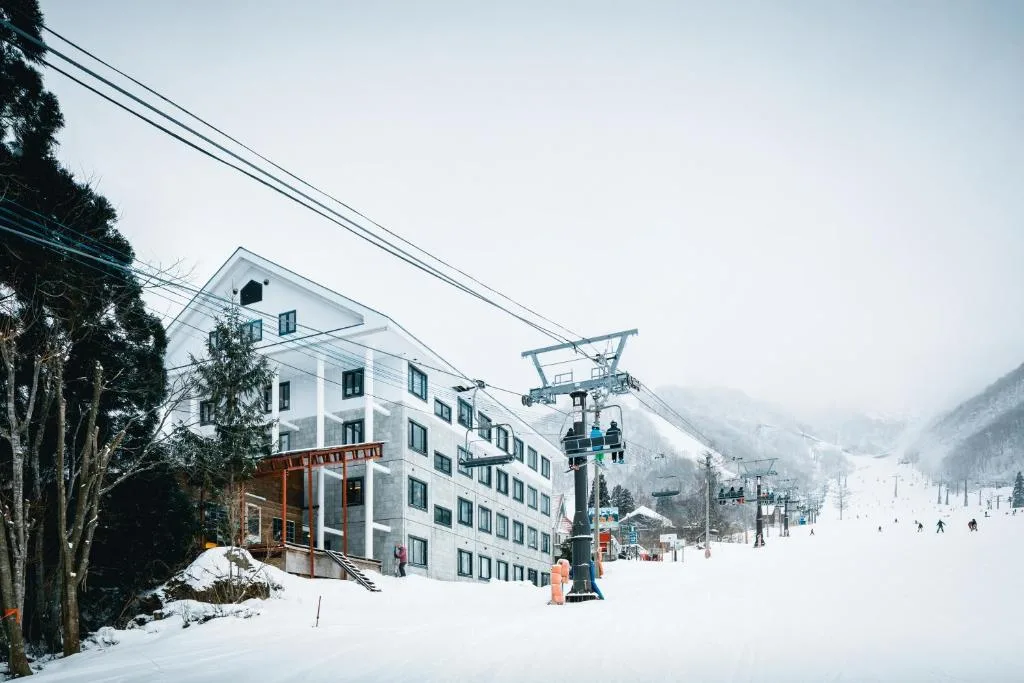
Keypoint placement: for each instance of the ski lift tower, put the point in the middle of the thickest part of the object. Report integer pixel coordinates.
(759, 469)
(605, 380)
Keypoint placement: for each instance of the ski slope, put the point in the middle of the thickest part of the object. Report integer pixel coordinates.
(847, 604)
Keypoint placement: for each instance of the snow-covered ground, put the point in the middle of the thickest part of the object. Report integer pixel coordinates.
(847, 604)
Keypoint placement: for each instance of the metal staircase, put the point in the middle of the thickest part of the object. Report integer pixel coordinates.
(352, 570)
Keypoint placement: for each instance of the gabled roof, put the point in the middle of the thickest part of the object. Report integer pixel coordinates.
(242, 254)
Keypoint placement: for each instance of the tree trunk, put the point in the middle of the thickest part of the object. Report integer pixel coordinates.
(69, 616)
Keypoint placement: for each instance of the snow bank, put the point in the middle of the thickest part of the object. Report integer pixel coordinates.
(847, 604)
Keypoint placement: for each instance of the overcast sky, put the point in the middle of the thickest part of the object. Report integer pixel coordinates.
(818, 203)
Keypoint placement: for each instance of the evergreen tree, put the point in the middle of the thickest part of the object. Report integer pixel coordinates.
(602, 492)
(65, 320)
(232, 378)
(1018, 491)
(622, 498)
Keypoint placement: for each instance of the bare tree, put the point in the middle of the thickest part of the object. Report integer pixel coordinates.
(16, 427)
(88, 477)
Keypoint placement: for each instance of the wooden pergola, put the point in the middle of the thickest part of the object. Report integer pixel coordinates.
(308, 460)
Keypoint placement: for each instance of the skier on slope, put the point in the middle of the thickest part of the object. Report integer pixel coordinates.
(940, 527)
(972, 525)
(920, 527)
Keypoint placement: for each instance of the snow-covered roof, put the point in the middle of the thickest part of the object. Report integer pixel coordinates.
(644, 511)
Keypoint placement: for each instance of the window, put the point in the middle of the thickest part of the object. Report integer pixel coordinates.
(484, 475)
(502, 573)
(253, 330)
(465, 414)
(275, 529)
(531, 497)
(545, 467)
(545, 579)
(213, 340)
(465, 563)
(531, 458)
(206, 412)
(353, 491)
(284, 442)
(352, 383)
(417, 437)
(465, 512)
(443, 411)
(517, 532)
(485, 567)
(502, 439)
(442, 516)
(517, 449)
(284, 396)
(251, 293)
(442, 463)
(417, 551)
(517, 573)
(352, 431)
(531, 537)
(501, 526)
(464, 455)
(531, 576)
(417, 382)
(545, 543)
(484, 520)
(285, 323)
(289, 532)
(268, 398)
(485, 426)
(545, 504)
(517, 490)
(417, 494)
(502, 483)
(252, 523)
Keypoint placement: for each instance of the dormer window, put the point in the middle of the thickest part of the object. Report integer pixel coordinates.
(251, 293)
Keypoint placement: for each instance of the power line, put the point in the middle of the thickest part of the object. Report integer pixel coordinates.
(304, 182)
(337, 218)
(324, 211)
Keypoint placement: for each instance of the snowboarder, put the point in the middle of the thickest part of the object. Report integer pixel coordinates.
(401, 556)
(940, 527)
(972, 525)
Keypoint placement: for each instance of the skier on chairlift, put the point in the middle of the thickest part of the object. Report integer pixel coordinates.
(595, 433)
(613, 435)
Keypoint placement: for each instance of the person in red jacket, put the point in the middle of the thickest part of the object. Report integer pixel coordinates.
(401, 555)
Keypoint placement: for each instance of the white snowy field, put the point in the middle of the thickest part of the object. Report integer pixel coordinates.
(848, 604)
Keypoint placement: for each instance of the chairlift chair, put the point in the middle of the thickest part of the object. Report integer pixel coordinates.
(732, 492)
(671, 487)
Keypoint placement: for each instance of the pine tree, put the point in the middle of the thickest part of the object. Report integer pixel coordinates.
(1018, 491)
(232, 378)
(602, 491)
(622, 498)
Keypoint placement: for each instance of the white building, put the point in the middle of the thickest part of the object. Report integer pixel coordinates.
(346, 373)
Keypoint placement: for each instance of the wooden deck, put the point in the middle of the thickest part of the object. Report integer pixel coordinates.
(294, 559)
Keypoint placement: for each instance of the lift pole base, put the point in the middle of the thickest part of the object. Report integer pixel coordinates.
(580, 597)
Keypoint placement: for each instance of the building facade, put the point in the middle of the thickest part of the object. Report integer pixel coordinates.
(347, 374)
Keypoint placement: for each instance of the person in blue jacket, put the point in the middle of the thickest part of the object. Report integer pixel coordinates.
(595, 433)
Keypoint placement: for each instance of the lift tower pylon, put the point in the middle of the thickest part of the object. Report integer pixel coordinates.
(605, 379)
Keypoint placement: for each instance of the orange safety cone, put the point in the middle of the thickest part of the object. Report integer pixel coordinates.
(557, 598)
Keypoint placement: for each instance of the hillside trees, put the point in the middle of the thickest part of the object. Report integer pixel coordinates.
(82, 364)
(1018, 491)
(602, 492)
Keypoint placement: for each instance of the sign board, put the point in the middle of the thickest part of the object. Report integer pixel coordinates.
(667, 539)
(609, 518)
(634, 538)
